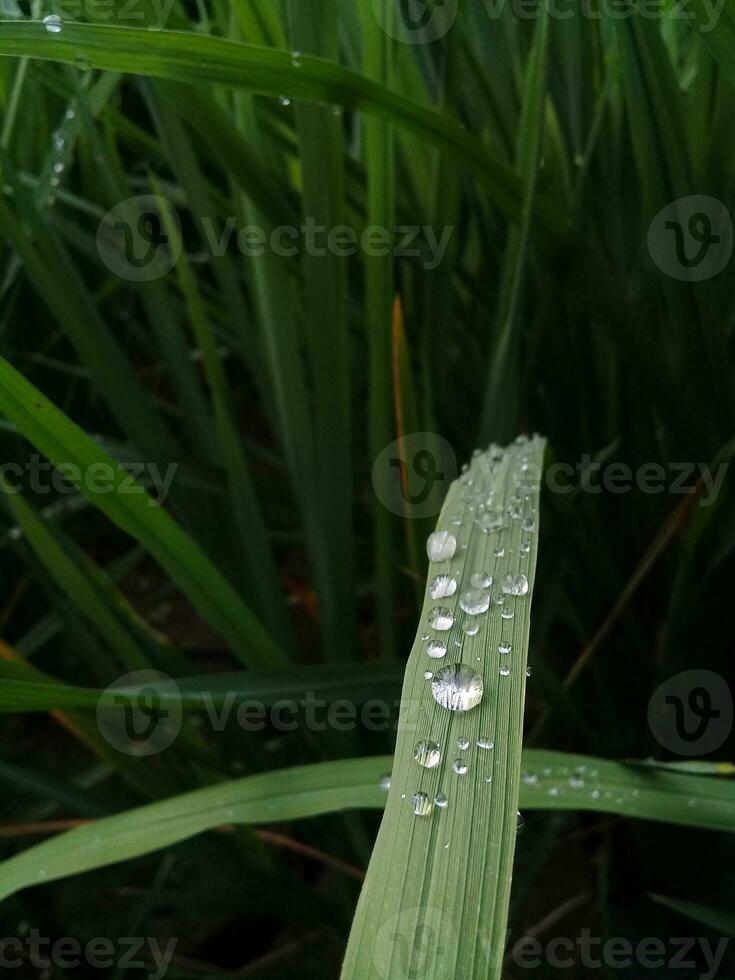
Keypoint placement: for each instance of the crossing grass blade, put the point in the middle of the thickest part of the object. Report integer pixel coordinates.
(454, 864)
(130, 507)
(625, 789)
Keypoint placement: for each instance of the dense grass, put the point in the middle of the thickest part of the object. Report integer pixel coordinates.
(546, 146)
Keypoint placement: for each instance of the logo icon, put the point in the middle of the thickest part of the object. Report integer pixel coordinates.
(416, 943)
(412, 475)
(132, 240)
(415, 21)
(691, 713)
(140, 713)
(691, 239)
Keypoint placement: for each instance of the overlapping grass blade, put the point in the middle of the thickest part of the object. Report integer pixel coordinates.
(131, 508)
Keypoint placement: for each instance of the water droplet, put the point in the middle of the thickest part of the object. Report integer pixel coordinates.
(427, 753)
(69, 114)
(504, 671)
(436, 649)
(463, 742)
(440, 800)
(284, 100)
(504, 647)
(491, 521)
(441, 618)
(488, 779)
(421, 804)
(296, 59)
(82, 62)
(441, 546)
(553, 791)
(499, 600)
(384, 782)
(443, 586)
(53, 24)
(520, 823)
(529, 524)
(576, 782)
(525, 547)
(42, 873)
(459, 766)
(595, 794)
(481, 580)
(474, 602)
(428, 674)
(515, 584)
(470, 627)
(499, 551)
(529, 671)
(507, 614)
(530, 779)
(457, 687)
(485, 743)
(59, 167)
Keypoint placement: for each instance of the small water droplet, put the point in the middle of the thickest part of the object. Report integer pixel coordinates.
(463, 742)
(481, 580)
(491, 521)
(428, 674)
(427, 753)
(443, 586)
(485, 743)
(529, 671)
(525, 547)
(284, 100)
(553, 791)
(421, 804)
(520, 823)
(474, 602)
(488, 779)
(436, 649)
(507, 614)
(470, 627)
(441, 618)
(296, 59)
(504, 647)
(441, 801)
(384, 782)
(595, 794)
(515, 585)
(530, 779)
(499, 551)
(576, 782)
(441, 546)
(504, 671)
(457, 687)
(53, 24)
(529, 524)
(459, 766)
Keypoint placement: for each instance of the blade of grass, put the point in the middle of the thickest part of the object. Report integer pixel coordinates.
(61, 441)
(411, 868)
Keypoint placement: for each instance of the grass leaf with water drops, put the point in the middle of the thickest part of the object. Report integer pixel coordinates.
(444, 855)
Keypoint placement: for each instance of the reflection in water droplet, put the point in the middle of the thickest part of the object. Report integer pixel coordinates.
(441, 546)
(441, 618)
(443, 586)
(427, 753)
(474, 602)
(436, 649)
(53, 24)
(457, 687)
(515, 584)
(421, 804)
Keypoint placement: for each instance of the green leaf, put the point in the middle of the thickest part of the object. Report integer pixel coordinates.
(130, 507)
(459, 859)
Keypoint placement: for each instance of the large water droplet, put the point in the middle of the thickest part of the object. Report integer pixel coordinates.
(53, 24)
(427, 753)
(474, 602)
(515, 584)
(441, 618)
(421, 804)
(457, 687)
(443, 586)
(441, 546)
(481, 580)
